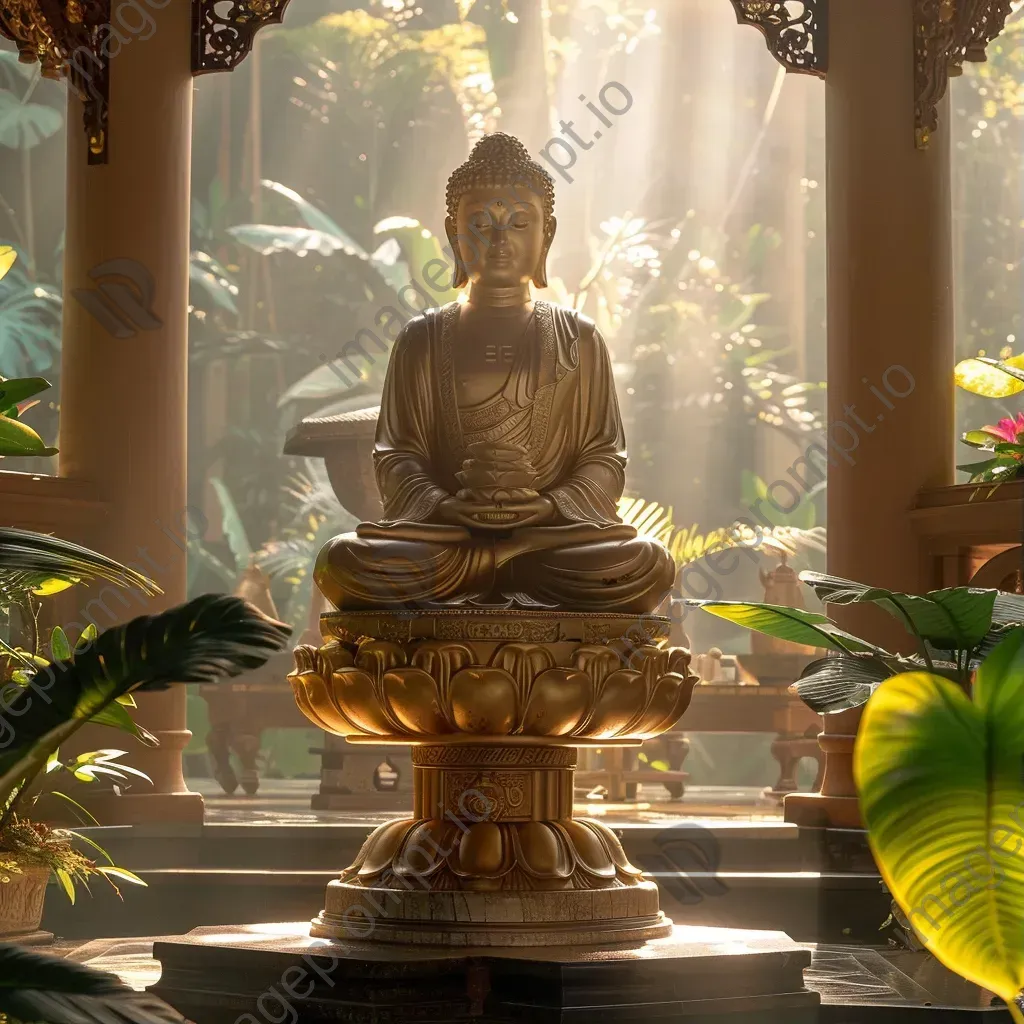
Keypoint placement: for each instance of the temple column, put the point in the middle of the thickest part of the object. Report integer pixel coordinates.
(123, 398)
(890, 336)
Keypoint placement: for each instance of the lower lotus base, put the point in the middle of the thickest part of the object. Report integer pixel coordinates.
(589, 917)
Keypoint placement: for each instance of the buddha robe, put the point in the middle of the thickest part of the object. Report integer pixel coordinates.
(559, 403)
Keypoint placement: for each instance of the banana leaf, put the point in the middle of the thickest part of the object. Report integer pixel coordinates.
(942, 795)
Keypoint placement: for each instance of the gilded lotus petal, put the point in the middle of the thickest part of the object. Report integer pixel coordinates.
(334, 656)
(558, 703)
(441, 660)
(484, 701)
(425, 849)
(412, 698)
(319, 696)
(614, 848)
(662, 705)
(380, 850)
(621, 699)
(591, 849)
(542, 851)
(379, 656)
(305, 656)
(679, 660)
(523, 662)
(357, 698)
(651, 662)
(598, 661)
(323, 698)
(481, 852)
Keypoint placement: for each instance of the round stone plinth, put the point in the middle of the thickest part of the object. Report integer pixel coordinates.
(492, 919)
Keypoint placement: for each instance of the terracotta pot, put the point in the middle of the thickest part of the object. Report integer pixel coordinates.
(21, 901)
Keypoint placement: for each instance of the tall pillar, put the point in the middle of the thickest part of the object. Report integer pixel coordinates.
(123, 399)
(890, 335)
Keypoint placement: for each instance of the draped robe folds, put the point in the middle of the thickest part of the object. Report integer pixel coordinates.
(559, 403)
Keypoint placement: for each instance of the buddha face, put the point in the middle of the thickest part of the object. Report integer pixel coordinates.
(502, 241)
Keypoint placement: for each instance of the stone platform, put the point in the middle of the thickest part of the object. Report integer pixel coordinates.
(700, 975)
(856, 985)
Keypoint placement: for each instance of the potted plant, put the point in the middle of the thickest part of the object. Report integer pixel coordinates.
(952, 630)
(46, 701)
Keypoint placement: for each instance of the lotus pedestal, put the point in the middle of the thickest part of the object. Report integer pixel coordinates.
(495, 705)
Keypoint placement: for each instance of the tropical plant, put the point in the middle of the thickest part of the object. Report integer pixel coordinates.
(316, 516)
(208, 638)
(938, 771)
(93, 681)
(954, 629)
(689, 544)
(29, 321)
(999, 379)
(57, 990)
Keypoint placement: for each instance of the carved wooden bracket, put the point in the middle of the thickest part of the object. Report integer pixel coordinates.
(223, 30)
(948, 33)
(70, 39)
(797, 39)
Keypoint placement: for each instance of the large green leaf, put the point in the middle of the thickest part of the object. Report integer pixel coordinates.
(793, 624)
(232, 525)
(17, 389)
(29, 324)
(38, 987)
(942, 794)
(840, 682)
(19, 439)
(25, 125)
(209, 275)
(953, 619)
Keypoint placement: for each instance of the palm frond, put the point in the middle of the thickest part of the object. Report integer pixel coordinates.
(30, 562)
(51, 990)
(689, 544)
(209, 638)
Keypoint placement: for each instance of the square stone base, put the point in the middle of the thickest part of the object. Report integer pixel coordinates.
(696, 975)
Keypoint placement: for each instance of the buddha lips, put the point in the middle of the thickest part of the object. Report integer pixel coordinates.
(497, 474)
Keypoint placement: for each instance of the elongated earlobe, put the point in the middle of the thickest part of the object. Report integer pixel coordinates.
(460, 277)
(540, 277)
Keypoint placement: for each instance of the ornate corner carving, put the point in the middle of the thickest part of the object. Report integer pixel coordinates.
(69, 40)
(223, 30)
(947, 34)
(797, 39)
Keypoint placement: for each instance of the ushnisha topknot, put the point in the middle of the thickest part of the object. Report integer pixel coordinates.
(500, 161)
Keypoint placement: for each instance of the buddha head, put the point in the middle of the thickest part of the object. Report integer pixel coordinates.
(501, 218)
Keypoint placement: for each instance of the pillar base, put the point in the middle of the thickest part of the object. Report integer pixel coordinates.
(146, 808)
(816, 810)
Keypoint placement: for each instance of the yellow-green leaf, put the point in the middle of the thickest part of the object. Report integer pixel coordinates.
(986, 379)
(942, 795)
(8, 257)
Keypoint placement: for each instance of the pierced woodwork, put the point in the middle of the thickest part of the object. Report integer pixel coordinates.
(223, 30)
(796, 31)
(69, 39)
(947, 34)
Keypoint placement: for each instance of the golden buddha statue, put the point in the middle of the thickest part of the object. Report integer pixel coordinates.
(499, 454)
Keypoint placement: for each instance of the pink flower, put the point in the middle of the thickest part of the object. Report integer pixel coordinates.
(1007, 429)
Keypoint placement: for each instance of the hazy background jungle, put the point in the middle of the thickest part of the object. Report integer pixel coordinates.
(692, 232)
